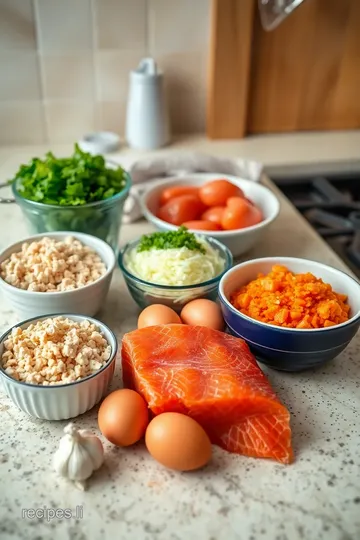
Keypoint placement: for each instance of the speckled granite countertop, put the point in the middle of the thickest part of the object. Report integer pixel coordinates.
(132, 498)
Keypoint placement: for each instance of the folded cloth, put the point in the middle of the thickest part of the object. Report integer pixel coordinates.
(148, 171)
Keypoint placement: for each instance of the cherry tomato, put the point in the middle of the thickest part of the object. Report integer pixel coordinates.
(217, 192)
(181, 209)
(176, 191)
(255, 213)
(249, 201)
(238, 203)
(214, 214)
(239, 213)
(202, 225)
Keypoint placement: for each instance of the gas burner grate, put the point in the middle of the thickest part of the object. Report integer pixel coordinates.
(332, 207)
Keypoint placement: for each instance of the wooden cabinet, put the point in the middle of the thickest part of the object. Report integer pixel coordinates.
(304, 75)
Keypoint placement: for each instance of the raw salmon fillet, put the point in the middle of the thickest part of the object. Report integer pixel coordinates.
(212, 377)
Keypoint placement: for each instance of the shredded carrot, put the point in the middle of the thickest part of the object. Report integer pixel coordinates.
(291, 300)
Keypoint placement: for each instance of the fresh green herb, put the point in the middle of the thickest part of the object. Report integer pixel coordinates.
(170, 240)
(74, 181)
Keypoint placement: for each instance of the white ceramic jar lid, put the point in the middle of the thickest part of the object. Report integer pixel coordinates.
(146, 72)
(100, 142)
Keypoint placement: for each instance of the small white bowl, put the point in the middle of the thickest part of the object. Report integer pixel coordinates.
(100, 142)
(85, 301)
(238, 241)
(63, 401)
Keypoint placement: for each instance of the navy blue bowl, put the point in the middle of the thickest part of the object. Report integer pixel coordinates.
(290, 349)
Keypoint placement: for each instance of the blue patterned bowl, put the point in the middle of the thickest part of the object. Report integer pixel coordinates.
(290, 349)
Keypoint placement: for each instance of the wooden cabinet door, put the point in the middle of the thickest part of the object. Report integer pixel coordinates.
(229, 68)
(306, 73)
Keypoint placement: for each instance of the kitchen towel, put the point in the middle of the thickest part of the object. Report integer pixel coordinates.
(146, 172)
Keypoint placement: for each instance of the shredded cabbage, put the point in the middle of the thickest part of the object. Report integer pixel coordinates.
(175, 267)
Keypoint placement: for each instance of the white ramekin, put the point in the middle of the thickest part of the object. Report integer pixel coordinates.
(63, 401)
(85, 301)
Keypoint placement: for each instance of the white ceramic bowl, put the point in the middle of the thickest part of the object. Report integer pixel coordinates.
(238, 241)
(85, 301)
(60, 402)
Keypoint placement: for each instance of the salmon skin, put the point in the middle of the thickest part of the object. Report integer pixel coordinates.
(214, 378)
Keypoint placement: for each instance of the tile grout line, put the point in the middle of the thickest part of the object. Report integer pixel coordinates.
(41, 74)
(147, 27)
(94, 40)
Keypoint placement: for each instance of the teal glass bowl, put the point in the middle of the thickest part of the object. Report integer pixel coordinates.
(101, 219)
(145, 293)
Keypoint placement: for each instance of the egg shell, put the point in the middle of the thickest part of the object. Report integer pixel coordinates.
(203, 312)
(157, 314)
(123, 417)
(178, 442)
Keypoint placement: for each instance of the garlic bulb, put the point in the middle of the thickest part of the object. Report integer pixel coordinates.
(80, 453)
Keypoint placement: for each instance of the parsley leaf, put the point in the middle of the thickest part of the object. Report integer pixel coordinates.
(170, 240)
(74, 181)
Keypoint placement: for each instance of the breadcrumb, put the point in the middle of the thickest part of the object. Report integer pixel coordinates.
(50, 265)
(55, 351)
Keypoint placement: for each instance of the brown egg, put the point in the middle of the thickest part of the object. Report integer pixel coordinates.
(123, 417)
(157, 314)
(178, 442)
(203, 312)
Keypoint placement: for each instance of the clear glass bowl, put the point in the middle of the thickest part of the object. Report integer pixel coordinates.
(101, 219)
(145, 293)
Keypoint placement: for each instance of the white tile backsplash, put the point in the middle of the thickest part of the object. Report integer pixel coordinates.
(17, 29)
(121, 24)
(67, 121)
(22, 122)
(112, 116)
(68, 77)
(112, 73)
(66, 63)
(178, 25)
(186, 90)
(64, 25)
(187, 112)
(19, 76)
(184, 71)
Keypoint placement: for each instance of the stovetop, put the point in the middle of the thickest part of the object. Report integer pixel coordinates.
(331, 204)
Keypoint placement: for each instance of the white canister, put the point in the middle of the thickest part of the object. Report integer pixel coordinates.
(147, 122)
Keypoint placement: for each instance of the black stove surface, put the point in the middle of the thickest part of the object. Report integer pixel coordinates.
(331, 204)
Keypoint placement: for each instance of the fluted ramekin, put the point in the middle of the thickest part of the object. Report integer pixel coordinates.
(63, 401)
